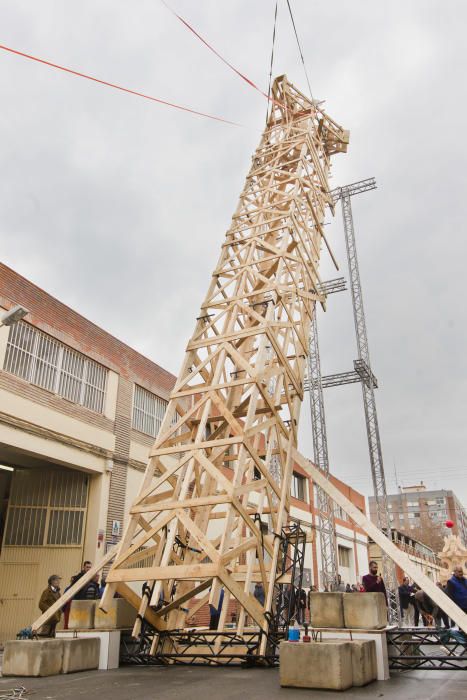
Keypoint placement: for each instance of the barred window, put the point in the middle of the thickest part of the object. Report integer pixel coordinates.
(46, 508)
(148, 411)
(41, 360)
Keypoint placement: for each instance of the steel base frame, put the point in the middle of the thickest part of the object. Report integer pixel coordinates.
(426, 649)
(227, 647)
(198, 648)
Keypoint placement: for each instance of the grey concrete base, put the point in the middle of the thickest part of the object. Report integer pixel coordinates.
(82, 614)
(326, 609)
(379, 637)
(109, 645)
(120, 614)
(366, 611)
(364, 668)
(316, 665)
(30, 657)
(80, 654)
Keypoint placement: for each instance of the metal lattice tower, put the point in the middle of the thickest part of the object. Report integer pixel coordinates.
(327, 536)
(368, 382)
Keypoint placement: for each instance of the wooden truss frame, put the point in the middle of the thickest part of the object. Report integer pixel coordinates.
(215, 494)
(222, 461)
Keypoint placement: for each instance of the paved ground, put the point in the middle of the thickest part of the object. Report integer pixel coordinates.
(197, 683)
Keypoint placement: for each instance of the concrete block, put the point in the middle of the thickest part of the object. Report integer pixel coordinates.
(80, 654)
(82, 615)
(316, 665)
(365, 611)
(364, 664)
(31, 657)
(364, 668)
(120, 614)
(326, 609)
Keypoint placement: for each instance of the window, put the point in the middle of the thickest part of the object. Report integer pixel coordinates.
(41, 360)
(412, 504)
(340, 513)
(148, 411)
(344, 556)
(298, 487)
(46, 508)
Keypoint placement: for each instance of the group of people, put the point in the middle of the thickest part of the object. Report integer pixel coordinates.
(415, 604)
(91, 591)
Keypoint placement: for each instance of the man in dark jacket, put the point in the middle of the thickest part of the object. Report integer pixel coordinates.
(49, 596)
(406, 593)
(90, 590)
(457, 588)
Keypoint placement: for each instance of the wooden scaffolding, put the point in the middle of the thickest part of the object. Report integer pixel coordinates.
(216, 490)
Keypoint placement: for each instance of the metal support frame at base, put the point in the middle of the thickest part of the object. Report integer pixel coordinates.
(427, 649)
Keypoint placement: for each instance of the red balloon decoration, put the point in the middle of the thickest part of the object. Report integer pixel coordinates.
(449, 524)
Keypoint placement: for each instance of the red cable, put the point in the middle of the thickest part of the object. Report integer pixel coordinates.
(224, 60)
(117, 87)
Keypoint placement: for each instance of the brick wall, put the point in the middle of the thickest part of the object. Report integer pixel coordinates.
(61, 322)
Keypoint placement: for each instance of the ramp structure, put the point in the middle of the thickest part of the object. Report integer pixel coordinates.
(215, 497)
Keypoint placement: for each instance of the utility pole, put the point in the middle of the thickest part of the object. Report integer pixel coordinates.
(362, 367)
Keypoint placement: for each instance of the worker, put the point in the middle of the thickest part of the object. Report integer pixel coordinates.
(215, 613)
(49, 596)
(426, 608)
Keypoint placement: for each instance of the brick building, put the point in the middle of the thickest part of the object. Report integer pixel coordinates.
(79, 411)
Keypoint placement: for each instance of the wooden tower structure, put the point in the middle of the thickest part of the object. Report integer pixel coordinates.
(215, 496)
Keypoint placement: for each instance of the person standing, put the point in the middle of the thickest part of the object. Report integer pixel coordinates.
(49, 596)
(91, 590)
(301, 606)
(373, 582)
(442, 617)
(259, 593)
(340, 584)
(405, 595)
(215, 613)
(457, 588)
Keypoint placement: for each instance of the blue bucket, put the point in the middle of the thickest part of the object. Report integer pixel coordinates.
(294, 635)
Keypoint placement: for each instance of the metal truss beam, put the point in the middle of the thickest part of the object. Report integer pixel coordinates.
(363, 368)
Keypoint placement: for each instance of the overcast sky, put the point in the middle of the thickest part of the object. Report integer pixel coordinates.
(118, 206)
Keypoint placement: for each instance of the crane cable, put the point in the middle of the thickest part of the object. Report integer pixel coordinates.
(300, 49)
(272, 57)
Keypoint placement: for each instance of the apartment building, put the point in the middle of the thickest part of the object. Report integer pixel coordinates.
(423, 512)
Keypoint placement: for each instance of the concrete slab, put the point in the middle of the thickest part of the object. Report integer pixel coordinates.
(316, 665)
(326, 609)
(365, 611)
(119, 615)
(31, 657)
(82, 614)
(80, 654)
